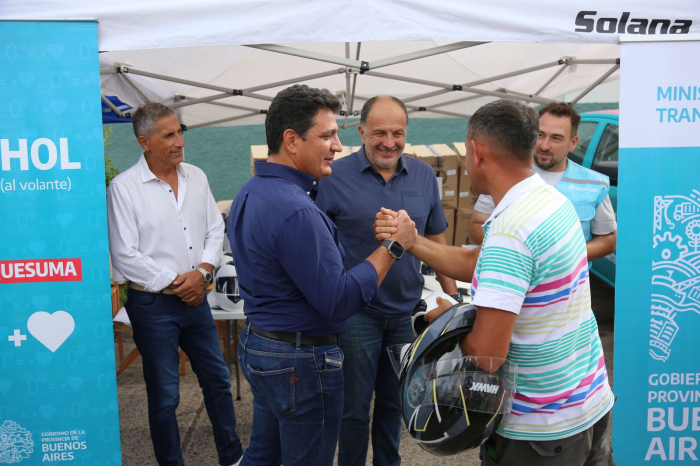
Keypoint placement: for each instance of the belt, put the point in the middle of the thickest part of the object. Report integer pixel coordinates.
(290, 337)
(136, 287)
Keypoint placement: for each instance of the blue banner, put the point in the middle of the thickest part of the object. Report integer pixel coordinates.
(656, 420)
(58, 397)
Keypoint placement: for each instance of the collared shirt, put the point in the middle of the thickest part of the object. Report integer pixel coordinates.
(154, 237)
(353, 194)
(533, 263)
(289, 258)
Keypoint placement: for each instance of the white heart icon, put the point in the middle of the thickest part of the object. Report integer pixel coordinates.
(51, 329)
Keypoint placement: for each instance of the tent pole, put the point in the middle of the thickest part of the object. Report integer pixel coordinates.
(554, 76)
(595, 61)
(135, 87)
(422, 54)
(354, 80)
(347, 87)
(223, 120)
(377, 74)
(307, 54)
(162, 77)
(455, 101)
(597, 81)
(417, 108)
(425, 96)
(200, 100)
(295, 80)
(221, 104)
(514, 73)
(112, 106)
(450, 87)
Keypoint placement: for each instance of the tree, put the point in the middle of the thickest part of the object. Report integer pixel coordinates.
(110, 170)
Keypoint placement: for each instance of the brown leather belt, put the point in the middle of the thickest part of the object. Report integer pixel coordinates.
(136, 287)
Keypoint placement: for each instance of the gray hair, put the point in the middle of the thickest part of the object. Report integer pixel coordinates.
(146, 118)
(367, 107)
(509, 124)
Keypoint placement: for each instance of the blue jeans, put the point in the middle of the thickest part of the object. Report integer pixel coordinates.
(367, 371)
(297, 401)
(161, 323)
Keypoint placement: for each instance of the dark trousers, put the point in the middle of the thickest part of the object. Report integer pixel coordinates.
(368, 372)
(161, 323)
(297, 401)
(588, 448)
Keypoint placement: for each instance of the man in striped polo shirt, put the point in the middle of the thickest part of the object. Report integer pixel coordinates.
(530, 286)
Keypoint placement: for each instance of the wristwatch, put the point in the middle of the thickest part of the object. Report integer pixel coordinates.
(207, 275)
(394, 247)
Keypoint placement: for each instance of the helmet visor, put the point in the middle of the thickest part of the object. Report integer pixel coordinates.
(472, 384)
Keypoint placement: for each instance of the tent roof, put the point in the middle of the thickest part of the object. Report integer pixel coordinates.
(199, 47)
(153, 24)
(263, 73)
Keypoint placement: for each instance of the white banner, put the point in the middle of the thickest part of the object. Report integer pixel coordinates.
(660, 98)
(151, 24)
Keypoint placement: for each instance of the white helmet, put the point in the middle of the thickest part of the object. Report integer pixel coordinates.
(226, 284)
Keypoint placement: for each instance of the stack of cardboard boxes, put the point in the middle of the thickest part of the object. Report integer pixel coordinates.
(457, 196)
(467, 199)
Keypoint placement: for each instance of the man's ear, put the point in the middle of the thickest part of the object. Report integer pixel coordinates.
(143, 140)
(573, 144)
(290, 139)
(362, 132)
(480, 151)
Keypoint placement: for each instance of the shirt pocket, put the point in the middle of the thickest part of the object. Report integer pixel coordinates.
(414, 203)
(585, 212)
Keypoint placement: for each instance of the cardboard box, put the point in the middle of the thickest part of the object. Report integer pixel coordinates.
(257, 153)
(450, 232)
(467, 196)
(408, 150)
(462, 219)
(460, 148)
(445, 164)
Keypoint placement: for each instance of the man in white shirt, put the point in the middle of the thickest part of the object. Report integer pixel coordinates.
(586, 189)
(165, 235)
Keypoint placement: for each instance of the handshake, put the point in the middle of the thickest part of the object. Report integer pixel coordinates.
(395, 226)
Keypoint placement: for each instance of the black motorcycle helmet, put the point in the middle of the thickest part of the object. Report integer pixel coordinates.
(451, 402)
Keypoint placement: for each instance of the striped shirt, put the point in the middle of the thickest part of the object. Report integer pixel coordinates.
(533, 263)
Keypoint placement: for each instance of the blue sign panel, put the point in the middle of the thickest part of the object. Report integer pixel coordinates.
(58, 400)
(656, 420)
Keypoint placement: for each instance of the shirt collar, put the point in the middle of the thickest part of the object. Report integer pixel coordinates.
(303, 180)
(513, 193)
(147, 174)
(364, 164)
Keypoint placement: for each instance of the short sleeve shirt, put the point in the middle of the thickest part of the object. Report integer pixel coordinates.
(533, 263)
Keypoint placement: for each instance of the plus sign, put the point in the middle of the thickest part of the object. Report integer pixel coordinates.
(17, 338)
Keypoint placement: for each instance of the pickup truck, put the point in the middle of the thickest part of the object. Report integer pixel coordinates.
(597, 149)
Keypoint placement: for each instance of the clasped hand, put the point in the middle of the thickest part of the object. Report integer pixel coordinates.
(388, 224)
(189, 287)
(396, 226)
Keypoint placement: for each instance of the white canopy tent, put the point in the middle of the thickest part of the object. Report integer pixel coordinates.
(442, 58)
(234, 84)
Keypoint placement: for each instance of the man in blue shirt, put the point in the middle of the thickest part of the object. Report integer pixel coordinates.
(298, 295)
(379, 175)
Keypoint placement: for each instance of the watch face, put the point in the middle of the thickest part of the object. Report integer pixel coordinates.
(396, 249)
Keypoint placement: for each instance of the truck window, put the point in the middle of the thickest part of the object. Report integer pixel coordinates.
(608, 147)
(585, 133)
